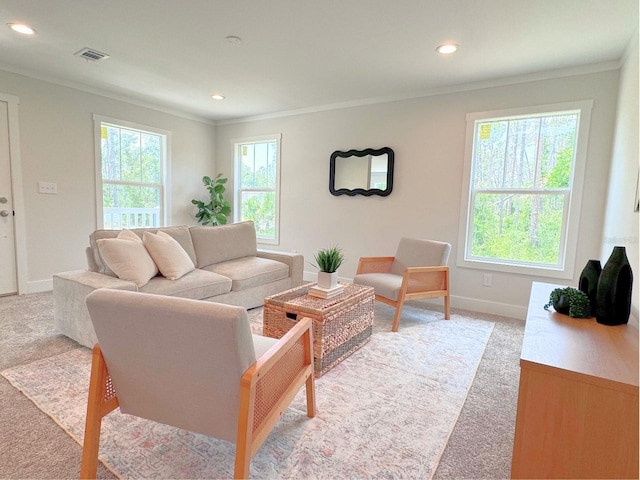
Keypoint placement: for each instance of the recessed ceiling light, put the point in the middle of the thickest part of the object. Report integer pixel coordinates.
(217, 96)
(447, 48)
(21, 28)
(233, 39)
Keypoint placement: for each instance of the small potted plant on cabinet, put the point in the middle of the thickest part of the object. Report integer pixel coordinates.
(569, 301)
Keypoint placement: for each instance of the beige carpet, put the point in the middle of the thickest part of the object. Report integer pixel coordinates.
(387, 411)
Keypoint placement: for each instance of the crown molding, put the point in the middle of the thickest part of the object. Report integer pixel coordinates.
(498, 82)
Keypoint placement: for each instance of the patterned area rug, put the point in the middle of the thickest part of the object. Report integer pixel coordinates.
(385, 412)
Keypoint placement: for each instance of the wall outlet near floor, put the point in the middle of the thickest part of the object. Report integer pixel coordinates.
(47, 187)
(487, 280)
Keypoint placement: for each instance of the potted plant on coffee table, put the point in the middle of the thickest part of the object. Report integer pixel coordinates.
(328, 260)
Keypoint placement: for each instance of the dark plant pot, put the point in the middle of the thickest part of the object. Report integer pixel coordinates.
(588, 282)
(562, 305)
(613, 295)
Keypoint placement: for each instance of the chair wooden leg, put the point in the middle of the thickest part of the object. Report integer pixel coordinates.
(97, 407)
(396, 317)
(311, 397)
(243, 460)
(447, 307)
(244, 437)
(89, 468)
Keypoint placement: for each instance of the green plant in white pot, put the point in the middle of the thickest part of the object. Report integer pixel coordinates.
(328, 260)
(216, 211)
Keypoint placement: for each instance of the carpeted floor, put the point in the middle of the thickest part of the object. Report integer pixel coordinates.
(32, 446)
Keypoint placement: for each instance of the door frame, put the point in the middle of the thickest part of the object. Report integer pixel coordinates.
(17, 192)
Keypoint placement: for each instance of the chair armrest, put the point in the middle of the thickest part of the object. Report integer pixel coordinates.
(270, 384)
(295, 261)
(422, 279)
(374, 265)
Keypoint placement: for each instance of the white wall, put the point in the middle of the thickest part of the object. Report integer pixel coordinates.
(427, 135)
(621, 222)
(57, 145)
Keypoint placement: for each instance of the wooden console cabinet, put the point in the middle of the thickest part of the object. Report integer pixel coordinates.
(578, 399)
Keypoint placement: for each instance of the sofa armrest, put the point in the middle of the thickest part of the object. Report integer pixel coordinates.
(70, 314)
(295, 261)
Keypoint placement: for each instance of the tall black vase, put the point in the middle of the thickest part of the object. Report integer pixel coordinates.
(613, 296)
(588, 282)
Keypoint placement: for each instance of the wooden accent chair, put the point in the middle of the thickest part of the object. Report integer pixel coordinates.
(418, 270)
(193, 365)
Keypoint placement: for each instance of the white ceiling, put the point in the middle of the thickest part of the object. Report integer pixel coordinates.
(303, 54)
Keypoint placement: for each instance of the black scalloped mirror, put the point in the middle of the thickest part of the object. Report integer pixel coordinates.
(361, 172)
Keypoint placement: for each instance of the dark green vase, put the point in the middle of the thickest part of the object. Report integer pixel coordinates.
(588, 282)
(613, 295)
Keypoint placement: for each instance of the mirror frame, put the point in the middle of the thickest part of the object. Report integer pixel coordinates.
(361, 153)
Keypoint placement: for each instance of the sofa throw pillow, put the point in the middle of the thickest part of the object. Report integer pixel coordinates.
(172, 260)
(128, 258)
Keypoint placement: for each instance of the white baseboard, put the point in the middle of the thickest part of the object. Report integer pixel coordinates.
(473, 304)
(480, 306)
(493, 308)
(39, 286)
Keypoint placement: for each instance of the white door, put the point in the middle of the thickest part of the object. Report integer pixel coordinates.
(8, 273)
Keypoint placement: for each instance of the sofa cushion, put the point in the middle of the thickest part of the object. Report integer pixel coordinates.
(180, 233)
(250, 272)
(197, 285)
(223, 242)
(127, 257)
(171, 259)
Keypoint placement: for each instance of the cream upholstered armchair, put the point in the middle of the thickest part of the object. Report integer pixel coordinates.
(418, 270)
(193, 365)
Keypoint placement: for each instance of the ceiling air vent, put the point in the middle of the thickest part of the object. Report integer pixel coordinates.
(91, 54)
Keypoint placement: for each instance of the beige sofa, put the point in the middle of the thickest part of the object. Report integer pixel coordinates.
(227, 268)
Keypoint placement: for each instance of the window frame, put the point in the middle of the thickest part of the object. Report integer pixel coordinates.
(237, 191)
(165, 166)
(572, 207)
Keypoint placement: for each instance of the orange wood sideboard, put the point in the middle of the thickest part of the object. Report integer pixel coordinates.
(577, 411)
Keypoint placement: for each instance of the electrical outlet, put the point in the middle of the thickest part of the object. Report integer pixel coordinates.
(47, 187)
(487, 280)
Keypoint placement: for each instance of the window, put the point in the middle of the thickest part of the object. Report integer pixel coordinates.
(521, 206)
(131, 174)
(257, 184)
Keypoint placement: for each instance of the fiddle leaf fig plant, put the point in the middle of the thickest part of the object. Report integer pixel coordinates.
(216, 211)
(329, 259)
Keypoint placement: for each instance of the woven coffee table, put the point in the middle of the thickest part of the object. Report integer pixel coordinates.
(341, 324)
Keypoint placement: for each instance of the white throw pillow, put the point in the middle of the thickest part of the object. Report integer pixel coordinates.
(172, 260)
(128, 258)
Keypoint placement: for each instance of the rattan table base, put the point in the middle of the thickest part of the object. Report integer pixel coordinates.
(341, 324)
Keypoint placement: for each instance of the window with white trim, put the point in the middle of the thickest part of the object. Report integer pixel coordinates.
(257, 184)
(131, 181)
(521, 204)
